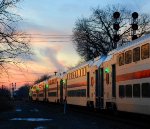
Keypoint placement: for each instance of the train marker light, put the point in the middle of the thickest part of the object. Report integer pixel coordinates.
(37, 89)
(107, 70)
(46, 86)
(64, 81)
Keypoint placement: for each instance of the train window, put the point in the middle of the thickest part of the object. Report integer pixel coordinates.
(49, 82)
(128, 57)
(67, 76)
(77, 93)
(53, 81)
(76, 73)
(84, 73)
(121, 59)
(128, 90)
(34, 95)
(136, 90)
(121, 91)
(51, 94)
(136, 54)
(145, 51)
(41, 95)
(145, 90)
(79, 73)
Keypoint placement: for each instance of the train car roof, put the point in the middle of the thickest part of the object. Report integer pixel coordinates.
(80, 66)
(130, 44)
(99, 60)
(126, 46)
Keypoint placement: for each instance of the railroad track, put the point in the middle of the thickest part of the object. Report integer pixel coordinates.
(137, 120)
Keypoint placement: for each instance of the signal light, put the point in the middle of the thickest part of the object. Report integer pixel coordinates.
(134, 26)
(116, 15)
(135, 15)
(116, 38)
(116, 26)
(134, 37)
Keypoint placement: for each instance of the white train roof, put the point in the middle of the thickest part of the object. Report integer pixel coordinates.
(131, 44)
(80, 66)
(99, 60)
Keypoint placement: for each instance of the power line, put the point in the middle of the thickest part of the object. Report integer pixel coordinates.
(46, 37)
(51, 41)
(48, 34)
(18, 82)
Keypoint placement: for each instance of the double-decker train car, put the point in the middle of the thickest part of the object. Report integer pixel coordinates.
(33, 92)
(78, 85)
(41, 91)
(52, 90)
(133, 76)
(118, 81)
(127, 77)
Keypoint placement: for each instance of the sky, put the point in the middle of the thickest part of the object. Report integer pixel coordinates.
(50, 24)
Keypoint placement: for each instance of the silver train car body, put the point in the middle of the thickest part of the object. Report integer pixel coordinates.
(118, 81)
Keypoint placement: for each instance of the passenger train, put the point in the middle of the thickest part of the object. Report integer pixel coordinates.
(119, 81)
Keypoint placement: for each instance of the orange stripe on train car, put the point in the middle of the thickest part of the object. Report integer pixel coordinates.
(77, 85)
(134, 75)
(55, 88)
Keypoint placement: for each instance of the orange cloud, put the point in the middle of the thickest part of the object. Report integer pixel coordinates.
(48, 57)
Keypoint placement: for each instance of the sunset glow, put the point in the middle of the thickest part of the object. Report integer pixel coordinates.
(49, 26)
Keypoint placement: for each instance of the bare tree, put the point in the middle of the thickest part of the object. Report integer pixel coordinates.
(14, 45)
(23, 92)
(42, 78)
(94, 36)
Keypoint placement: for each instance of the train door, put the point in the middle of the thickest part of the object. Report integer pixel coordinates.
(97, 89)
(113, 80)
(101, 99)
(65, 90)
(45, 90)
(57, 93)
(88, 84)
(61, 91)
